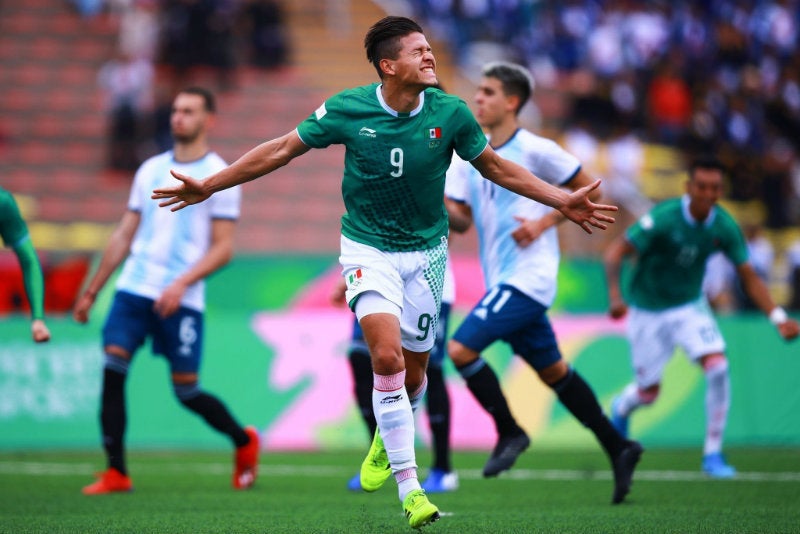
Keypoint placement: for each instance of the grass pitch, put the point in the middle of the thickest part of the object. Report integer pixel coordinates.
(547, 491)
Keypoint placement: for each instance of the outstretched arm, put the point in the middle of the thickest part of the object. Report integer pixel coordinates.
(575, 206)
(258, 162)
(755, 288)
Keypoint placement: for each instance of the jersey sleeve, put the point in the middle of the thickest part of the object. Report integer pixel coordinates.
(734, 245)
(136, 198)
(321, 129)
(469, 141)
(12, 226)
(552, 163)
(642, 232)
(227, 203)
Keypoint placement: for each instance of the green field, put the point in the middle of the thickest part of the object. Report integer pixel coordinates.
(547, 491)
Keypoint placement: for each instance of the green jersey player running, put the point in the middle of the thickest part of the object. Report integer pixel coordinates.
(399, 137)
(667, 310)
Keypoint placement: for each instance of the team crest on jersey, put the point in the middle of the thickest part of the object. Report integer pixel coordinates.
(435, 136)
(354, 279)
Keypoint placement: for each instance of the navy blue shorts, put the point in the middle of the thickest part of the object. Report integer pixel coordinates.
(507, 314)
(438, 351)
(179, 337)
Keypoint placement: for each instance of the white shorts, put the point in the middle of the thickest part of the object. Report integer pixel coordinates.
(412, 281)
(654, 336)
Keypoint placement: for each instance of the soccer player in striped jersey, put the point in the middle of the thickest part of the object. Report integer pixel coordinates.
(672, 244)
(519, 255)
(160, 292)
(399, 137)
(15, 234)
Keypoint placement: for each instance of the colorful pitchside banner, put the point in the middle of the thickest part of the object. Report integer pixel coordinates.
(284, 369)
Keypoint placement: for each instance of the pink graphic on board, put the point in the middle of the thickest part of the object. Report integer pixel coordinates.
(310, 339)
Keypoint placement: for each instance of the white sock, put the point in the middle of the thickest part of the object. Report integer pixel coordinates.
(415, 397)
(396, 423)
(629, 400)
(718, 400)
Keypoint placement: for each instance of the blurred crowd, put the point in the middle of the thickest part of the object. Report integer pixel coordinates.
(162, 44)
(718, 76)
(713, 75)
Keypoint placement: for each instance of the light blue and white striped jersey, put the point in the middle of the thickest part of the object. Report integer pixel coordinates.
(532, 269)
(167, 243)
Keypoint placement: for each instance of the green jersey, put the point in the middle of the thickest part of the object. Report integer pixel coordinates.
(395, 163)
(673, 249)
(12, 227)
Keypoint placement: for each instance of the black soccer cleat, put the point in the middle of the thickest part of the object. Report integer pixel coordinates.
(505, 454)
(624, 465)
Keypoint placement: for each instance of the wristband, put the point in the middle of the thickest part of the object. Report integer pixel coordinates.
(778, 316)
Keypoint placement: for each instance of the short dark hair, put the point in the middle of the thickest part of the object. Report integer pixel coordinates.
(515, 79)
(383, 39)
(209, 102)
(707, 162)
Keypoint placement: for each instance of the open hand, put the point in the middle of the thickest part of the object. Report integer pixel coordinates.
(585, 213)
(190, 191)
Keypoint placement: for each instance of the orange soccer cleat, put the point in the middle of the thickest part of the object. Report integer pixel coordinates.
(109, 481)
(246, 461)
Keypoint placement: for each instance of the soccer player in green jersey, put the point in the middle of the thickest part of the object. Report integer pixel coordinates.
(672, 243)
(15, 234)
(399, 136)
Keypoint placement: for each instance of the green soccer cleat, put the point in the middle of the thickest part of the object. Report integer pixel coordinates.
(375, 469)
(419, 510)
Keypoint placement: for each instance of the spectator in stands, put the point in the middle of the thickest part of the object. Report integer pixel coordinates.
(264, 27)
(669, 102)
(128, 85)
(15, 234)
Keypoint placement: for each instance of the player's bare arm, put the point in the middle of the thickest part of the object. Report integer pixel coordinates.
(755, 288)
(258, 162)
(575, 206)
(612, 262)
(459, 215)
(119, 245)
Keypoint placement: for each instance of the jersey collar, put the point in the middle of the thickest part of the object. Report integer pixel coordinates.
(687, 215)
(394, 113)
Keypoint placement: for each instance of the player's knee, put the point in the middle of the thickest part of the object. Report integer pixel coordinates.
(554, 373)
(459, 354)
(714, 362)
(387, 360)
(185, 392)
(116, 363)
